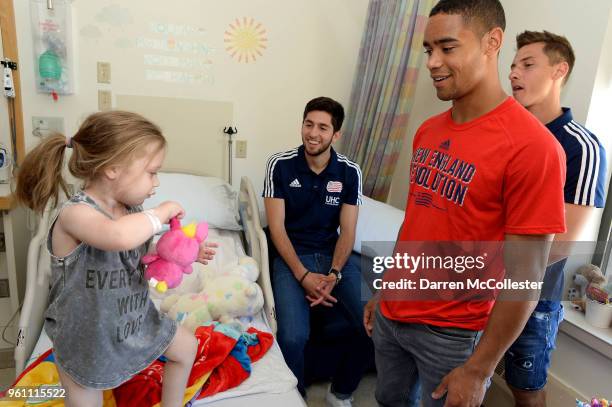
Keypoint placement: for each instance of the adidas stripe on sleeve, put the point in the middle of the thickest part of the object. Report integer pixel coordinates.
(272, 184)
(353, 200)
(586, 170)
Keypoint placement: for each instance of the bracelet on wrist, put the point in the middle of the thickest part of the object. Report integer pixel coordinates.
(304, 276)
(155, 222)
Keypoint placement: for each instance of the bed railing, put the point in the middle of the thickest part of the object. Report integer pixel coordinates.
(32, 317)
(257, 245)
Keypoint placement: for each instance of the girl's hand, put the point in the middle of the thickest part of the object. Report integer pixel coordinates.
(168, 210)
(206, 252)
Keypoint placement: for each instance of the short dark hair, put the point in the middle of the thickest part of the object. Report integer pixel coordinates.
(556, 47)
(325, 104)
(488, 13)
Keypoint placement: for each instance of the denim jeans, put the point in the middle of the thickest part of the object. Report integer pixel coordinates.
(293, 314)
(528, 359)
(413, 359)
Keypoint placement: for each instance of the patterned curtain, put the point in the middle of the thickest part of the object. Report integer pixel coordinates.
(383, 91)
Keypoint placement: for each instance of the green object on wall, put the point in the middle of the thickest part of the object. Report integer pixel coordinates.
(49, 65)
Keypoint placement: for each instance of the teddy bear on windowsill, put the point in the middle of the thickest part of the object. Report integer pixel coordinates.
(590, 281)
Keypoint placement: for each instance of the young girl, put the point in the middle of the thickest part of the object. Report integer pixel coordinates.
(103, 326)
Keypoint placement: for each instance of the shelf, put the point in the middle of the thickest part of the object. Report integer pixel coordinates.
(575, 325)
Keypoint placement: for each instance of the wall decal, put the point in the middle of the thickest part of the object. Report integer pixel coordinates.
(245, 40)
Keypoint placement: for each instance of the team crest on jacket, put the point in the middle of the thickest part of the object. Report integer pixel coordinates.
(334, 186)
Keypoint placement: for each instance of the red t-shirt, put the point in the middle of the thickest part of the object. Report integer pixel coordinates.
(502, 173)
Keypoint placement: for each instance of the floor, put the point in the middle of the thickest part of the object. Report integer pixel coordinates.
(7, 376)
(363, 397)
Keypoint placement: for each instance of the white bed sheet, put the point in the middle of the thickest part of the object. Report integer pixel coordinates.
(271, 382)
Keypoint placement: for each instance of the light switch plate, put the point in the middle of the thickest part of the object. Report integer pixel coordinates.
(43, 126)
(241, 148)
(104, 72)
(104, 100)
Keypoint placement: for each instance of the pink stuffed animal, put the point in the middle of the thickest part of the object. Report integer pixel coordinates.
(177, 249)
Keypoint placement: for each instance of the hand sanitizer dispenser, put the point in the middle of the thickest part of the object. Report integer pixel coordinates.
(5, 165)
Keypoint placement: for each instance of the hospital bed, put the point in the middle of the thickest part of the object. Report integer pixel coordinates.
(271, 382)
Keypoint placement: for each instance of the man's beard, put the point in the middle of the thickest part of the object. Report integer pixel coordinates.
(318, 152)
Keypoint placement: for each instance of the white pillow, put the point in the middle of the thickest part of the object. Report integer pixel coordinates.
(205, 199)
(377, 222)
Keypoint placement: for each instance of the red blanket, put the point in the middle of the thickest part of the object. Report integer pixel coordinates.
(214, 355)
(222, 362)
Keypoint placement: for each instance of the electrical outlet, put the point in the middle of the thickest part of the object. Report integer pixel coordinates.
(241, 148)
(104, 72)
(104, 100)
(44, 126)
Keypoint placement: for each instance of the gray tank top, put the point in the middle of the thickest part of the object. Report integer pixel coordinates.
(103, 325)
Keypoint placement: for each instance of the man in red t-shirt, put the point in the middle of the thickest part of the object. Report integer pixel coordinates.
(484, 171)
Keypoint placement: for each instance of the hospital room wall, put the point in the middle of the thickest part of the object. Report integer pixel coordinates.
(598, 119)
(311, 50)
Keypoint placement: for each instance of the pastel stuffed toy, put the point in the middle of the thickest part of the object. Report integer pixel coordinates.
(176, 250)
(246, 267)
(225, 297)
(232, 296)
(189, 310)
(249, 268)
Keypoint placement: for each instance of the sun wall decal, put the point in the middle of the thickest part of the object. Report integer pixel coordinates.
(245, 40)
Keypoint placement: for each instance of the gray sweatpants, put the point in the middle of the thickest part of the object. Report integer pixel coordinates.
(413, 357)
